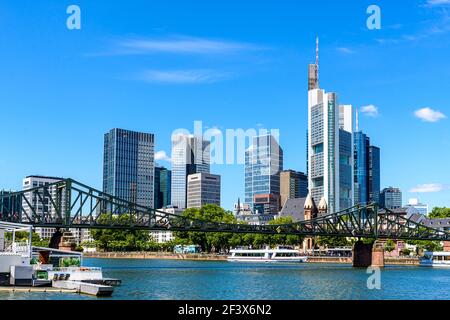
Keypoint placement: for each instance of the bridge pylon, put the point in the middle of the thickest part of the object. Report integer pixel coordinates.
(368, 254)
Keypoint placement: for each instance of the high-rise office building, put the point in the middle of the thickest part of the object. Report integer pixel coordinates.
(391, 198)
(345, 183)
(361, 176)
(366, 170)
(374, 174)
(42, 203)
(330, 151)
(263, 165)
(163, 182)
(128, 166)
(202, 189)
(190, 155)
(293, 185)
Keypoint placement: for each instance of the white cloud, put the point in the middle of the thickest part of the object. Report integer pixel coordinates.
(428, 188)
(429, 115)
(184, 76)
(345, 50)
(162, 156)
(181, 45)
(433, 28)
(370, 110)
(438, 2)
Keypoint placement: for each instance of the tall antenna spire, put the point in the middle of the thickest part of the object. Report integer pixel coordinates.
(317, 60)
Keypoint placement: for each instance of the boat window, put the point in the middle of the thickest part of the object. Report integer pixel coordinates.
(248, 254)
(287, 254)
(447, 258)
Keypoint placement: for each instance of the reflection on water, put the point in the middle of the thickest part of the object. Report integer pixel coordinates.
(178, 279)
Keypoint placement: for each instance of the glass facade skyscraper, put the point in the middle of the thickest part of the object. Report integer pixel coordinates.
(367, 170)
(345, 169)
(190, 155)
(361, 177)
(374, 174)
(163, 183)
(263, 165)
(330, 151)
(128, 166)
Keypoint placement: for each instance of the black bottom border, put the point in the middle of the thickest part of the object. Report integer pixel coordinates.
(218, 309)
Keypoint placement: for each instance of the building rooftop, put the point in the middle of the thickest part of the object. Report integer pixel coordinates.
(436, 223)
(44, 177)
(294, 208)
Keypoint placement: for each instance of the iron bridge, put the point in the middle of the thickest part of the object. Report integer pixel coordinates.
(70, 204)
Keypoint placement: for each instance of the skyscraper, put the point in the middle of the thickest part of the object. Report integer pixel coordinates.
(374, 174)
(128, 166)
(391, 198)
(202, 189)
(163, 183)
(190, 155)
(367, 170)
(330, 149)
(263, 165)
(361, 176)
(293, 185)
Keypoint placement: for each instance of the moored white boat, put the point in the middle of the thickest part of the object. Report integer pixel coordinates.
(280, 254)
(439, 259)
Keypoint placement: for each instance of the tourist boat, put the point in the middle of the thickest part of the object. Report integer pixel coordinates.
(435, 259)
(280, 254)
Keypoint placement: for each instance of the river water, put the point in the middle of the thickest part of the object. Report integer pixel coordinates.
(193, 280)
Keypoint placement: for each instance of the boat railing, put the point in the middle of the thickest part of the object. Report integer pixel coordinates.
(17, 247)
(77, 269)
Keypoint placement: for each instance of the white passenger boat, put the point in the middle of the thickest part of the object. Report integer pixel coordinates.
(280, 254)
(436, 259)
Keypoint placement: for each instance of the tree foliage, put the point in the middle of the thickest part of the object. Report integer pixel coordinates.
(389, 245)
(332, 242)
(123, 240)
(439, 213)
(22, 236)
(217, 242)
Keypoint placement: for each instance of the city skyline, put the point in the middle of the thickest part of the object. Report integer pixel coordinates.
(398, 103)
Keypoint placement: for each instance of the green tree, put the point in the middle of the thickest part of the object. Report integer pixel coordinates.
(119, 240)
(283, 239)
(217, 241)
(439, 213)
(406, 252)
(332, 242)
(214, 241)
(389, 246)
(425, 245)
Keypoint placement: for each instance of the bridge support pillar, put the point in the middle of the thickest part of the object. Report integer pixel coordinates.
(362, 255)
(56, 239)
(447, 246)
(377, 255)
(366, 255)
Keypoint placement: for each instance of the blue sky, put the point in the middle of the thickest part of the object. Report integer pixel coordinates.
(156, 66)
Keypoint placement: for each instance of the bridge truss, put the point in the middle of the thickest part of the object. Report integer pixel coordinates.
(70, 204)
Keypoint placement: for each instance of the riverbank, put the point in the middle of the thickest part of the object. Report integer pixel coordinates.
(217, 257)
(156, 255)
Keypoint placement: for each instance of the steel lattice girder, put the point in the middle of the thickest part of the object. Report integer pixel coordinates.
(70, 204)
